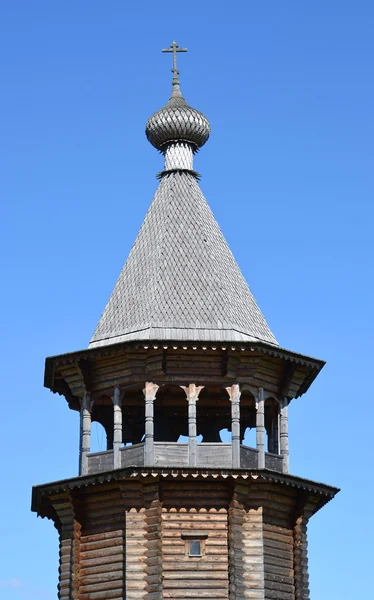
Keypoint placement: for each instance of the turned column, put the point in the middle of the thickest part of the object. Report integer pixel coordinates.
(117, 427)
(85, 433)
(234, 393)
(284, 434)
(276, 431)
(150, 392)
(260, 428)
(192, 393)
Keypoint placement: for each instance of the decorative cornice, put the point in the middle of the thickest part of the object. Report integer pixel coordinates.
(41, 493)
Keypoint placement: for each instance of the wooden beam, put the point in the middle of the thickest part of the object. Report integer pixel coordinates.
(288, 373)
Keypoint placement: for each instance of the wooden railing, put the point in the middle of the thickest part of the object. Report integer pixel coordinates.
(173, 454)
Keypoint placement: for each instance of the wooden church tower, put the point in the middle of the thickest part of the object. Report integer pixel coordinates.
(182, 349)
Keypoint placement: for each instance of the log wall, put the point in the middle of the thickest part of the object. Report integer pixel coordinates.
(102, 562)
(69, 547)
(246, 546)
(278, 563)
(136, 546)
(129, 540)
(301, 560)
(190, 508)
(279, 513)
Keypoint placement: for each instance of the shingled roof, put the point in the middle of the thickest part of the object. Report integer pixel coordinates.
(181, 281)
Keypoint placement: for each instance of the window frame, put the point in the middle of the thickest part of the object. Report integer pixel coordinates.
(194, 536)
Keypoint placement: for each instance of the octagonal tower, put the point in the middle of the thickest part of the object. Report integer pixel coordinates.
(173, 508)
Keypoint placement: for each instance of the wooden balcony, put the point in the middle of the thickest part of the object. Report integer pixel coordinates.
(173, 454)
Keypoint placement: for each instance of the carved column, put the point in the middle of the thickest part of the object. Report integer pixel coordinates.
(117, 428)
(234, 393)
(85, 430)
(276, 431)
(192, 393)
(284, 434)
(260, 428)
(150, 392)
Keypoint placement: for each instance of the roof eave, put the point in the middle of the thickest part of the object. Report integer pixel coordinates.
(314, 364)
(40, 492)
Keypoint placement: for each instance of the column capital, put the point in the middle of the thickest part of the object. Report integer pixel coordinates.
(234, 392)
(150, 390)
(192, 391)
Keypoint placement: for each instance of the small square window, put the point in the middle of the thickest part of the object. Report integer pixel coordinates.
(194, 543)
(195, 548)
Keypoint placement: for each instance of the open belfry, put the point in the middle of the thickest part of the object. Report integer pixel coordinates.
(182, 351)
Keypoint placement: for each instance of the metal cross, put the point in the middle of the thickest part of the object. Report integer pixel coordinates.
(174, 48)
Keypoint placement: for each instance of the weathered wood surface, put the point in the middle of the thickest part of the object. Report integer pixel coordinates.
(169, 454)
(260, 428)
(153, 559)
(195, 508)
(212, 455)
(248, 457)
(246, 546)
(85, 432)
(274, 462)
(117, 427)
(301, 558)
(186, 365)
(102, 563)
(284, 435)
(132, 456)
(128, 539)
(278, 562)
(99, 461)
(69, 547)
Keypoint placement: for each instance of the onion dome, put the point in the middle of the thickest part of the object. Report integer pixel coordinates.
(177, 121)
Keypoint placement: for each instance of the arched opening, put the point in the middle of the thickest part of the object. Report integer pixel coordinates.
(248, 418)
(214, 415)
(133, 417)
(170, 414)
(98, 437)
(102, 424)
(272, 424)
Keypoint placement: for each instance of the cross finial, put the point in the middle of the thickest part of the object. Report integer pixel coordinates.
(174, 48)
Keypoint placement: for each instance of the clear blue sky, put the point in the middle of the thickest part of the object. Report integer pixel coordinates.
(288, 171)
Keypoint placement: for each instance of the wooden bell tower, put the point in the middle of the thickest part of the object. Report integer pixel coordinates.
(173, 508)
